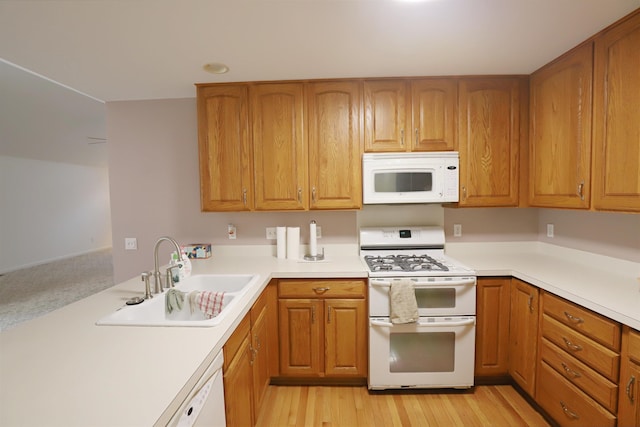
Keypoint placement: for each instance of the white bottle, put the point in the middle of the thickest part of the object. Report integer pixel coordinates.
(185, 269)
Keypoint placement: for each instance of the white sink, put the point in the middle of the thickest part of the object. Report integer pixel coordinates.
(152, 311)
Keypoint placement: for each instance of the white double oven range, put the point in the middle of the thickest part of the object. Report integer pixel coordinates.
(436, 351)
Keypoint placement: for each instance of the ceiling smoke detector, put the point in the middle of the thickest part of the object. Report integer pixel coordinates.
(215, 68)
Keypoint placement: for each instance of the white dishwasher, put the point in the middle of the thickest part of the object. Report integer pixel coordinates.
(204, 406)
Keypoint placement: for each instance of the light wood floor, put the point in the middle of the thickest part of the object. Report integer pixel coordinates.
(326, 406)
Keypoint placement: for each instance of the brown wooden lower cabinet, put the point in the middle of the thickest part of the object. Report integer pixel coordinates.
(246, 369)
(629, 398)
(523, 334)
(567, 404)
(323, 328)
(493, 300)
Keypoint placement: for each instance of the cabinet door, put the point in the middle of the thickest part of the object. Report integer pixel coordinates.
(433, 111)
(279, 148)
(385, 121)
(560, 132)
(224, 148)
(629, 398)
(346, 338)
(238, 388)
(616, 143)
(335, 145)
(523, 334)
(492, 327)
(301, 337)
(259, 343)
(489, 138)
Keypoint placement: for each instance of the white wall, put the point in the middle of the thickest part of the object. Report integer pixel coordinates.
(50, 211)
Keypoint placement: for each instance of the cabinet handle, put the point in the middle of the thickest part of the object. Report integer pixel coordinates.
(313, 315)
(530, 303)
(417, 137)
(402, 137)
(464, 192)
(569, 413)
(629, 388)
(571, 346)
(244, 196)
(581, 190)
(299, 195)
(258, 344)
(328, 314)
(313, 194)
(321, 290)
(570, 371)
(574, 319)
(253, 354)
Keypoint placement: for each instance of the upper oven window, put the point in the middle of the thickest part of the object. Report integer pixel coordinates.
(403, 182)
(436, 297)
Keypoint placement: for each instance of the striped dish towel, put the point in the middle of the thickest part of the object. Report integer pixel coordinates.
(210, 303)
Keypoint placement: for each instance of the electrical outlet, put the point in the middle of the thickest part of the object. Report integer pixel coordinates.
(457, 230)
(550, 230)
(318, 232)
(231, 232)
(271, 233)
(130, 243)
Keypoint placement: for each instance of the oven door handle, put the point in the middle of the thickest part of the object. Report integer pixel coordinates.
(463, 281)
(375, 322)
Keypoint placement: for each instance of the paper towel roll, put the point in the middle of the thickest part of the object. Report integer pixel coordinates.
(313, 239)
(281, 242)
(293, 242)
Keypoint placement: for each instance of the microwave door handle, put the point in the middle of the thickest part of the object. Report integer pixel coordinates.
(375, 322)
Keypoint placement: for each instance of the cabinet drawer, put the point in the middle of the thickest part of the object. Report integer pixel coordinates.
(634, 345)
(579, 374)
(327, 288)
(595, 355)
(258, 307)
(566, 404)
(235, 341)
(603, 330)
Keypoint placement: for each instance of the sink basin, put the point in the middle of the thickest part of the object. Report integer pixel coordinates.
(152, 312)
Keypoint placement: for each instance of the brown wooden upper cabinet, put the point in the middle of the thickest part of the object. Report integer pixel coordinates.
(223, 141)
(616, 126)
(489, 139)
(560, 131)
(335, 144)
(410, 115)
(279, 146)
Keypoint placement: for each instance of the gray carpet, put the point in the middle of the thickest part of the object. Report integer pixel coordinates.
(32, 292)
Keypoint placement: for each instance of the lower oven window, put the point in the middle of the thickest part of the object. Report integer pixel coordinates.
(422, 352)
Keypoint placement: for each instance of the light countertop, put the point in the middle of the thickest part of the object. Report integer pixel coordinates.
(63, 370)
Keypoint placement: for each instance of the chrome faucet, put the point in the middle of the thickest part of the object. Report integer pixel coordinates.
(156, 269)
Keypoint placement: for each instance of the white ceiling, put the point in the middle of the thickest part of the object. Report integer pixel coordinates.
(151, 49)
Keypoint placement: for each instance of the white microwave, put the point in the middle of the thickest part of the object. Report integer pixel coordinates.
(430, 177)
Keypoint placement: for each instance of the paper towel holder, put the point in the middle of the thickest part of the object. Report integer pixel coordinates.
(318, 257)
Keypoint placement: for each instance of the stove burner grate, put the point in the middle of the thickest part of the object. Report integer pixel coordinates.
(404, 263)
